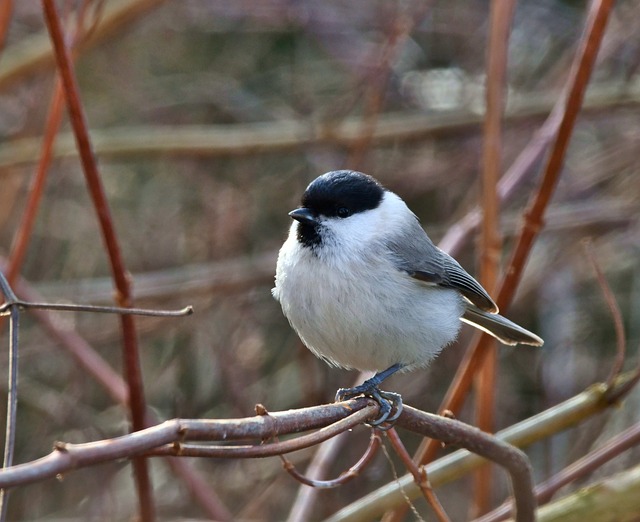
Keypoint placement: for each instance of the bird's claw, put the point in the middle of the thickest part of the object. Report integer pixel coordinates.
(389, 402)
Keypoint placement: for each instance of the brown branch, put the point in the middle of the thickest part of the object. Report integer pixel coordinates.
(180, 449)
(6, 9)
(67, 457)
(130, 348)
(453, 432)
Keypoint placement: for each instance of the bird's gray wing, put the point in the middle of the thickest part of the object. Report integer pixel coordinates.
(416, 254)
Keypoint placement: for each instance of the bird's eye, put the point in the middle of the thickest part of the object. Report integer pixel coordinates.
(343, 212)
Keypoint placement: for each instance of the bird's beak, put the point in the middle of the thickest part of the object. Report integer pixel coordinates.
(304, 216)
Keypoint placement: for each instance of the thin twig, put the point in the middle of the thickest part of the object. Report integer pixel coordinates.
(614, 309)
(344, 477)
(419, 475)
(68, 307)
(12, 387)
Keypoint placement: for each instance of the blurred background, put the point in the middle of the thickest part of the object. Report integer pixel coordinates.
(209, 118)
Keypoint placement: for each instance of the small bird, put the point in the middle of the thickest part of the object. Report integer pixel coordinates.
(365, 288)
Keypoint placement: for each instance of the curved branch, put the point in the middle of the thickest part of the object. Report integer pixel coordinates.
(454, 432)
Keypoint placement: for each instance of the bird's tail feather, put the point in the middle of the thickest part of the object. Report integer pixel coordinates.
(501, 328)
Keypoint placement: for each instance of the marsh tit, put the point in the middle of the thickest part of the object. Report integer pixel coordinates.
(365, 288)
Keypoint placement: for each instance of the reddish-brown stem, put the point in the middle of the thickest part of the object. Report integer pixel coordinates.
(130, 349)
(616, 314)
(419, 475)
(576, 86)
(491, 241)
(21, 239)
(6, 7)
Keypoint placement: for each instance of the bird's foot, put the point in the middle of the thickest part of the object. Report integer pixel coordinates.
(390, 403)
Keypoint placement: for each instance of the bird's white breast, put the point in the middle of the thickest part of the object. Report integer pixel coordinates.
(351, 306)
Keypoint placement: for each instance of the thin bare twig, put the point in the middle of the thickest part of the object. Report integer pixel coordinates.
(344, 477)
(68, 307)
(614, 309)
(12, 386)
(419, 475)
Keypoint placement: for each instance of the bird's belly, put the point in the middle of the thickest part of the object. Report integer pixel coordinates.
(356, 322)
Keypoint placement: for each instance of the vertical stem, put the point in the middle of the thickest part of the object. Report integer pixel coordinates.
(12, 395)
(491, 241)
(133, 373)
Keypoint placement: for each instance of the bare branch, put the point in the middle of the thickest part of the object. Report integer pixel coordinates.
(616, 314)
(68, 307)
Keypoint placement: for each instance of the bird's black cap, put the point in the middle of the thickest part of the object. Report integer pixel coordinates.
(340, 194)
(342, 190)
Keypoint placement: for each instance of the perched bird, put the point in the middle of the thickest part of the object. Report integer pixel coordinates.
(365, 288)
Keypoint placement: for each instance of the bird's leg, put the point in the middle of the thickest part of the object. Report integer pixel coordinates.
(369, 388)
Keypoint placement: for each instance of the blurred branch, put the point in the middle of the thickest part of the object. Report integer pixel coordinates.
(289, 135)
(35, 53)
(376, 85)
(614, 498)
(578, 470)
(451, 467)
(614, 309)
(6, 8)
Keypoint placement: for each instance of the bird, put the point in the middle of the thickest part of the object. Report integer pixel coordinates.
(365, 288)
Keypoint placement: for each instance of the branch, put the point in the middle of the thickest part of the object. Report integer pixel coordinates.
(67, 457)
